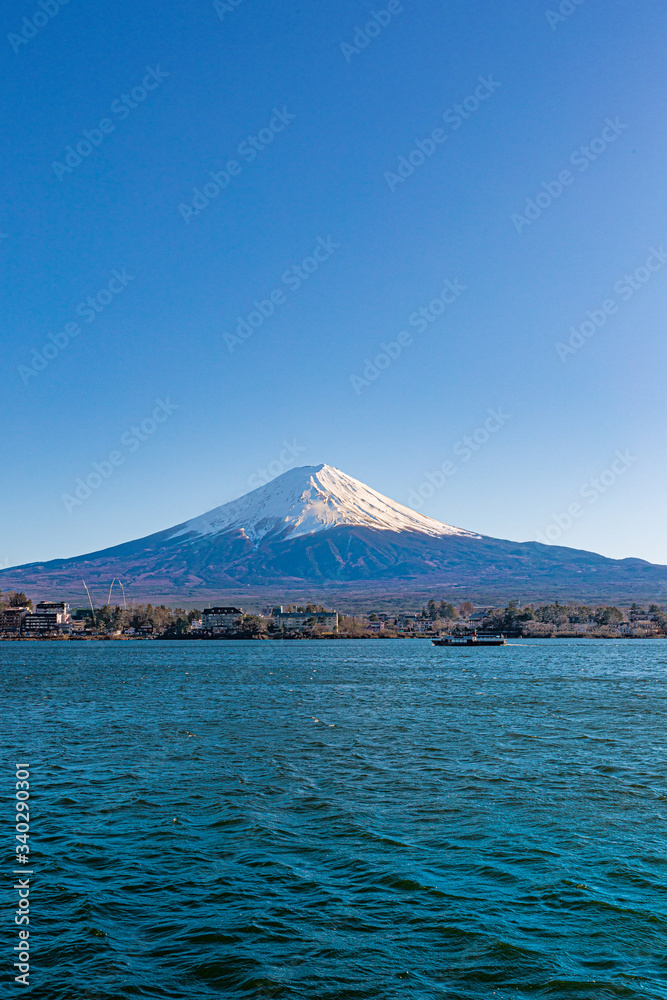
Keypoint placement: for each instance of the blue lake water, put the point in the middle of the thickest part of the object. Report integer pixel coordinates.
(352, 819)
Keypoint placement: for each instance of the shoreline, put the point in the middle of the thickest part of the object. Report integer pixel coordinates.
(327, 638)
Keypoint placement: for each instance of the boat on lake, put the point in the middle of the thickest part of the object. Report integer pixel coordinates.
(470, 640)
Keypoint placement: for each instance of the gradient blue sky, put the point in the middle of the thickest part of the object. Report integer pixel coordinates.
(324, 176)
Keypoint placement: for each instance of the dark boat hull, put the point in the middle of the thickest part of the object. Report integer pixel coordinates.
(466, 643)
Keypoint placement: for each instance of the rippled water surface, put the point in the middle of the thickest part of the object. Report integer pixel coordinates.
(343, 819)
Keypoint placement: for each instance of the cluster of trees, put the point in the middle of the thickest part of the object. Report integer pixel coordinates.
(440, 612)
(141, 617)
(515, 618)
(251, 626)
(446, 612)
(527, 619)
(14, 599)
(654, 612)
(348, 625)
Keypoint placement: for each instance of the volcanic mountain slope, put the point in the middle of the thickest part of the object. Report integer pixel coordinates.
(316, 529)
(312, 499)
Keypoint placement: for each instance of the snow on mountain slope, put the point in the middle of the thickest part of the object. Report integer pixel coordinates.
(313, 498)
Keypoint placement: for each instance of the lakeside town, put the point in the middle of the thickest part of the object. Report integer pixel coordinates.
(19, 619)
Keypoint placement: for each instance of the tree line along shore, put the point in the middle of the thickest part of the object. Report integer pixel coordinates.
(18, 620)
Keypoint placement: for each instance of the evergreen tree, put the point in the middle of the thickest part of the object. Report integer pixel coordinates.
(251, 625)
(608, 616)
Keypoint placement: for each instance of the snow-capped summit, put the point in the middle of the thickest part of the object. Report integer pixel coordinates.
(310, 499)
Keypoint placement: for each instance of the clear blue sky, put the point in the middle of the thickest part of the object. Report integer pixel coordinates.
(341, 120)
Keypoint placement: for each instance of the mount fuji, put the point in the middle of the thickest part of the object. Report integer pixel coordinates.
(311, 499)
(317, 532)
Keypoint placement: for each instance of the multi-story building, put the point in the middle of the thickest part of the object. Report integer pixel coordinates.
(222, 619)
(12, 619)
(58, 607)
(48, 616)
(300, 621)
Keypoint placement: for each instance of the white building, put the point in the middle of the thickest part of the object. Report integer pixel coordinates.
(221, 618)
(48, 616)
